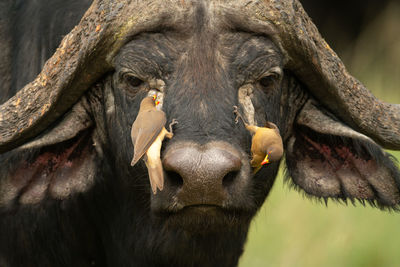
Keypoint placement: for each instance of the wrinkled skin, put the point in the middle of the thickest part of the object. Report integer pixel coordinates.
(101, 211)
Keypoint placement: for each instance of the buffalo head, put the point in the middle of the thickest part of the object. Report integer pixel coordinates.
(67, 133)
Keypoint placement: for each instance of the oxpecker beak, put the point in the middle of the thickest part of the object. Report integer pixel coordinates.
(266, 160)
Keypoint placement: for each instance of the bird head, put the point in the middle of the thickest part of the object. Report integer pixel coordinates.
(156, 102)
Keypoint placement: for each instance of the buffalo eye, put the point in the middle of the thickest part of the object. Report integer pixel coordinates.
(268, 82)
(271, 79)
(134, 81)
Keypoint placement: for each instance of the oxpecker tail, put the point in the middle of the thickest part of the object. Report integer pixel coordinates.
(156, 175)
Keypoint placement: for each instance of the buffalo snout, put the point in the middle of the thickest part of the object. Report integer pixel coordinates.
(197, 175)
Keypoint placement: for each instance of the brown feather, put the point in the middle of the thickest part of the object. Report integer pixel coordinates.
(145, 129)
(154, 164)
(266, 141)
(156, 175)
(148, 133)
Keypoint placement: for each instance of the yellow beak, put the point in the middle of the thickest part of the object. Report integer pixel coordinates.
(265, 161)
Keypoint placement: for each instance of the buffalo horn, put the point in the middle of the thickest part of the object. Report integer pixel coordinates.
(83, 57)
(321, 70)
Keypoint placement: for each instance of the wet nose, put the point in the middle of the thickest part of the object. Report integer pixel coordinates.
(202, 174)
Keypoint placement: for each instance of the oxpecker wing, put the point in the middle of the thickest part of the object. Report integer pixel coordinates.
(145, 130)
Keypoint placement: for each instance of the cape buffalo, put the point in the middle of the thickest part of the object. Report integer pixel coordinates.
(68, 194)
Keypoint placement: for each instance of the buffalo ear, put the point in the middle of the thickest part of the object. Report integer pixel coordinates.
(328, 159)
(56, 164)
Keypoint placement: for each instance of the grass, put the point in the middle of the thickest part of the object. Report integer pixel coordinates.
(291, 230)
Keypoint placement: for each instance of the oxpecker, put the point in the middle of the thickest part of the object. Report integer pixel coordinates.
(148, 133)
(266, 143)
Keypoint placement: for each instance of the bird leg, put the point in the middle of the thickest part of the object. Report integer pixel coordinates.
(238, 115)
(174, 121)
(251, 128)
(271, 125)
(170, 134)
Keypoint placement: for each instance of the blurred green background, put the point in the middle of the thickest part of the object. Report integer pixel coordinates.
(291, 230)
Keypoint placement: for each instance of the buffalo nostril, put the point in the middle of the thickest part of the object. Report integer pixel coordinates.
(229, 178)
(202, 174)
(174, 179)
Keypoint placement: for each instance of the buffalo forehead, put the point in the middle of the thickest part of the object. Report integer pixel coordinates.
(182, 15)
(203, 53)
(218, 26)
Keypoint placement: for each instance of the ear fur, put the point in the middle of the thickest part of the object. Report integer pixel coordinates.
(328, 159)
